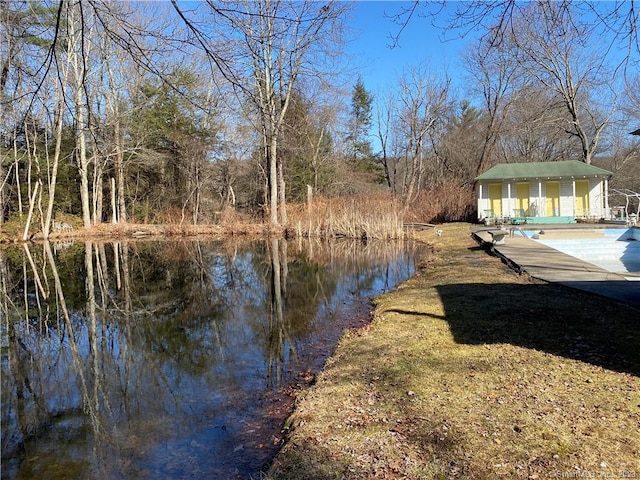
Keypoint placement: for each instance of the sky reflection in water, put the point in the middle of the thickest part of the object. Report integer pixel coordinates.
(170, 359)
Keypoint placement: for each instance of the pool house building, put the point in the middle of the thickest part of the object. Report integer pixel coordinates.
(543, 192)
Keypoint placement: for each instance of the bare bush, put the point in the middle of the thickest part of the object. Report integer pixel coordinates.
(447, 202)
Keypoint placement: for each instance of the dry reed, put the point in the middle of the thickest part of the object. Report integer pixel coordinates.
(377, 216)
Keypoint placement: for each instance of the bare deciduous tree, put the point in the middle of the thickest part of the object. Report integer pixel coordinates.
(530, 132)
(496, 78)
(262, 48)
(557, 50)
(617, 21)
(423, 101)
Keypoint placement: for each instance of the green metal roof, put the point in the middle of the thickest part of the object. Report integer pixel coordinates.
(564, 169)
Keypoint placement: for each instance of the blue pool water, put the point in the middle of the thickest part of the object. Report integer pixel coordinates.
(614, 249)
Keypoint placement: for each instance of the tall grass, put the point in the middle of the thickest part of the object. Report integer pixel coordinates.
(374, 216)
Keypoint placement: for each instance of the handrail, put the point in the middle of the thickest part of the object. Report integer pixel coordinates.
(628, 194)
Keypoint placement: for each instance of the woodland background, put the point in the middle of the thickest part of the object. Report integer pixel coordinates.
(218, 112)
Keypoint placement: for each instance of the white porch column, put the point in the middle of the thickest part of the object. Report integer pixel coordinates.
(480, 202)
(538, 213)
(607, 212)
(573, 187)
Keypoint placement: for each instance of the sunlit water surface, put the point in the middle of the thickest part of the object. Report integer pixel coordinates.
(171, 359)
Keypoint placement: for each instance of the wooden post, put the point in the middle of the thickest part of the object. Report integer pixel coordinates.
(309, 198)
(114, 212)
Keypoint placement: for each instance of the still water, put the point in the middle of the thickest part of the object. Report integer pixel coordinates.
(170, 359)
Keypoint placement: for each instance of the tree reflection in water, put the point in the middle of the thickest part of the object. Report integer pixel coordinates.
(169, 359)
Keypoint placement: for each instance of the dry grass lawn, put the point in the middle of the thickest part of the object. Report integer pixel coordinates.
(471, 371)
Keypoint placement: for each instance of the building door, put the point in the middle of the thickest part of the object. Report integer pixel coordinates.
(552, 199)
(495, 198)
(582, 198)
(522, 199)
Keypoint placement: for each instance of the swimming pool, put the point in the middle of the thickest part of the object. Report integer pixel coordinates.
(614, 249)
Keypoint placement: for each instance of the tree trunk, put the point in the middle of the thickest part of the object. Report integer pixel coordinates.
(273, 181)
(114, 102)
(97, 193)
(54, 168)
(32, 203)
(282, 201)
(114, 209)
(79, 55)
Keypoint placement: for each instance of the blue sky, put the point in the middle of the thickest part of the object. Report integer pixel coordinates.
(379, 65)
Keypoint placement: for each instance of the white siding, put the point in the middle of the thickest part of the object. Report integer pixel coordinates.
(567, 202)
(507, 201)
(596, 198)
(483, 199)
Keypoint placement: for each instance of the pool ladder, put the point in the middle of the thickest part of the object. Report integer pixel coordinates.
(515, 229)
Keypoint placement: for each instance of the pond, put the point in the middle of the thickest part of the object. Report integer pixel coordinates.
(171, 359)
